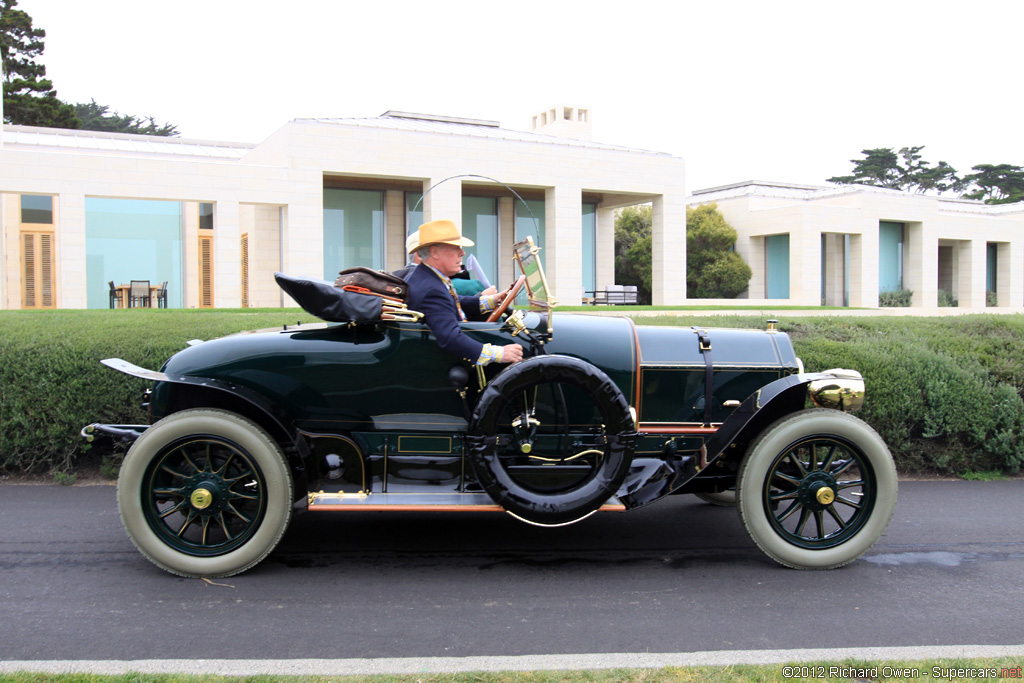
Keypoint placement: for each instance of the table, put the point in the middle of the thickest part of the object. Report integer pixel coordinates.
(122, 291)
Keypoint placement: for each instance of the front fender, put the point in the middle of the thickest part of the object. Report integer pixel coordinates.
(763, 407)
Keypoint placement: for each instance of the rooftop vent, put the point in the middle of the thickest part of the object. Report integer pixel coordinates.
(564, 121)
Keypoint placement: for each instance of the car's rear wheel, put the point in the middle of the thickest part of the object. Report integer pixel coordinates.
(817, 489)
(551, 439)
(205, 493)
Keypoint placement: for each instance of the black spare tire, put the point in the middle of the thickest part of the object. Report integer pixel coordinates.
(551, 439)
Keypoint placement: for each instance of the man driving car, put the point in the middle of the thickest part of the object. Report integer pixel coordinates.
(432, 294)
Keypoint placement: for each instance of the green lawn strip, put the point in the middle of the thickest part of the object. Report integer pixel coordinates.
(981, 669)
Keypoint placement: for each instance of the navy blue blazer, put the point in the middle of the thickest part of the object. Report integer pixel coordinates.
(430, 296)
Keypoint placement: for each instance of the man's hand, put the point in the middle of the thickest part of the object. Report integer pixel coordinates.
(500, 296)
(491, 290)
(511, 353)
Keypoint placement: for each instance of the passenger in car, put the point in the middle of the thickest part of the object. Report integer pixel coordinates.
(431, 293)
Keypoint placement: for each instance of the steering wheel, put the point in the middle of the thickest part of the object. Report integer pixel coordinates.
(503, 306)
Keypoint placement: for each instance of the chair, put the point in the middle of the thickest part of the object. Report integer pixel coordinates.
(161, 296)
(114, 297)
(138, 294)
(630, 295)
(614, 294)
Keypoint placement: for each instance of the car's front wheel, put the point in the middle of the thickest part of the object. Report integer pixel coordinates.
(817, 489)
(205, 492)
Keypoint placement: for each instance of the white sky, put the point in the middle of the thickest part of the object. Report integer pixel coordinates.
(765, 90)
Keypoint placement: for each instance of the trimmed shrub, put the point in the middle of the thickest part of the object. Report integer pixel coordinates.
(52, 384)
(946, 395)
(895, 298)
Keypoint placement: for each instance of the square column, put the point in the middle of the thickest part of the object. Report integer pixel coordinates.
(394, 230)
(69, 258)
(921, 265)
(1011, 260)
(805, 267)
(605, 266)
(506, 240)
(668, 250)
(444, 201)
(864, 267)
(971, 274)
(227, 256)
(563, 220)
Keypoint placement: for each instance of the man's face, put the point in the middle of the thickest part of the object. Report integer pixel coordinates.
(447, 258)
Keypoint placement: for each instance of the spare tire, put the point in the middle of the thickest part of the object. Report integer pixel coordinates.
(551, 439)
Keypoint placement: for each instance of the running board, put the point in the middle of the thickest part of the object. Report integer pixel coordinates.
(417, 502)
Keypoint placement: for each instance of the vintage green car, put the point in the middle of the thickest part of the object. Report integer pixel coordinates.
(602, 416)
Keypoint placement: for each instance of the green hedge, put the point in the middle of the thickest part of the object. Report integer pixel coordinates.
(944, 393)
(52, 384)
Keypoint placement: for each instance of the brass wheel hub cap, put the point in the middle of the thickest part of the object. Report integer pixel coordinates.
(825, 495)
(201, 499)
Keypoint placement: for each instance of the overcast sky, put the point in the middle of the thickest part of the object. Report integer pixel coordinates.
(765, 90)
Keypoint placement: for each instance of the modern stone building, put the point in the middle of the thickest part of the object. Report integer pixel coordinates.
(846, 245)
(80, 210)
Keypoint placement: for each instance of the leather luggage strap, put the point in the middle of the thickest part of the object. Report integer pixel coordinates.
(709, 377)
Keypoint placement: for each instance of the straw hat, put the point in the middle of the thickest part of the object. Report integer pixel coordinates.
(441, 232)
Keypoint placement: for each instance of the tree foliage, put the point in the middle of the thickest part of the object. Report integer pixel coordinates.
(633, 249)
(906, 171)
(713, 269)
(99, 117)
(996, 184)
(29, 97)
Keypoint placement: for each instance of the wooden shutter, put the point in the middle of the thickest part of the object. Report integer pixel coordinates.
(245, 270)
(37, 270)
(205, 272)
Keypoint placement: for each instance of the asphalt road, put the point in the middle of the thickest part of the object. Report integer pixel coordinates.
(679, 576)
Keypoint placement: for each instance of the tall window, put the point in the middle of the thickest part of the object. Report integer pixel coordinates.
(991, 272)
(353, 230)
(589, 247)
(776, 266)
(480, 224)
(531, 225)
(132, 239)
(36, 240)
(890, 256)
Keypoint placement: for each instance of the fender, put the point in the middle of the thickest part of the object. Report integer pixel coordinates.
(764, 406)
(276, 422)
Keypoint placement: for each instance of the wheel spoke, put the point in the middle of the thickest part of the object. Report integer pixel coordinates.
(820, 523)
(224, 466)
(831, 456)
(845, 466)
(799, 464)
(847, 501)
(170, 492)
(804, 516)
(850, 484)
(793, 507)
(238, 513)
(795, 483)
(835, 515)
(188, 522)
(177, 508)
(224, 526)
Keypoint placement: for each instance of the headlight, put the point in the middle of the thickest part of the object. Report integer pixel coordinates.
(844, 391)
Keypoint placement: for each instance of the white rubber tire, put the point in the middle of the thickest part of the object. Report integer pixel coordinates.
(776, 439)
(256, 444)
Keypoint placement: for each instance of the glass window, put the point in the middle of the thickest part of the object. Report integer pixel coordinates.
(353, 230)
(530, 223)
(37, 209)
(132, 239)
(480, 224)
(890, 256)
(589, 247)
(776, 257)
(206, 216)
(991, 266)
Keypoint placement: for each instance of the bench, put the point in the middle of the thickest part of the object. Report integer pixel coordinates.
(614, 295)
